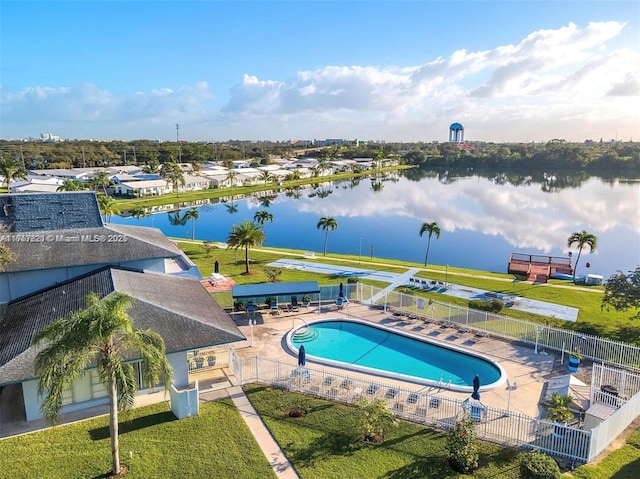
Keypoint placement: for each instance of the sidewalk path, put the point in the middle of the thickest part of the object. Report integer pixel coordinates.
(280, 464)
(278, 461)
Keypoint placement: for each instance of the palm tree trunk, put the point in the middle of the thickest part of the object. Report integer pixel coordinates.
(426, 257)
(326, 237)
(576, 265)
(113, 425)
(246, 259)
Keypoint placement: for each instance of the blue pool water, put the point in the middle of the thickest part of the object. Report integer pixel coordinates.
(362, 346)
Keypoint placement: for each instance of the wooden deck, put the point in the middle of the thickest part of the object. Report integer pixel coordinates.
(538, 268)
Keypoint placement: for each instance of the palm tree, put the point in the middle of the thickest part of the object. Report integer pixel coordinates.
(261, 217)
(192, 215)
(231, 174)
(71, 185)
(100, 179)
(266, 176)
(108, 207)
(172, 172)
(11, 170)
(103, 335)
(245, 235)
(327, 223)
(582, 238)
(431, 228)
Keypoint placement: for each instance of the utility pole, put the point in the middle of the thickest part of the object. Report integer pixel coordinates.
(178, 141)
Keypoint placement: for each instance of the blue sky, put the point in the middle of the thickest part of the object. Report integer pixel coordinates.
(392, 70)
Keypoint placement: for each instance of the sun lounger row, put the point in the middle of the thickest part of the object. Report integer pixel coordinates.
(425, 284)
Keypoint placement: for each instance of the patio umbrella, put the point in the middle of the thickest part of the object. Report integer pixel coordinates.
(302, 356)
(216, 267)
(341, 291)
(476, 388)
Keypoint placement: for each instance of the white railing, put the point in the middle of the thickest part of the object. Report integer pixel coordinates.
(545, 337)
(625, 399)
(424, 406)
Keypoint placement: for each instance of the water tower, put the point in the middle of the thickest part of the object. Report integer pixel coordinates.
(456, 133)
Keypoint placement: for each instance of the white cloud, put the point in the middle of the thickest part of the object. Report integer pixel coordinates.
(561, 83)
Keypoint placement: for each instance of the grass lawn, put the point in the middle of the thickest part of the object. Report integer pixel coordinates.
(324, 444)
(591, 320)
(623, 463)
(215, 444)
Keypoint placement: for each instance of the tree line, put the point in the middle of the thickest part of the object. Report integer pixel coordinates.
(591, 156)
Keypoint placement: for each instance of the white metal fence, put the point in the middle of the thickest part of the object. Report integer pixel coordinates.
(428, 408)
(546, 337)
(623, 387)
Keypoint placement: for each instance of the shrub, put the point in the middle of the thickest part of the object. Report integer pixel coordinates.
(272, 273)
(493, 306)
(538, 466)
(462, 447)
(374, 419)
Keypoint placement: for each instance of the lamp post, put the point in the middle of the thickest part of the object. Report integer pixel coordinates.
(251, 323)
(537, 328)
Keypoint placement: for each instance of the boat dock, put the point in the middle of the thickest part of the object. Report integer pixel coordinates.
(539, 268)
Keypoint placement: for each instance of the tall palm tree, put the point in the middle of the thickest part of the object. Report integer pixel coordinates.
(261, 217)
(108, 207)
(432, 229)
(245, 235)
(103, 334)
(11, 170)
(192, 215)
(582, 238)
(231, 174)
(327, 223)
(100, 179)
(172, 172)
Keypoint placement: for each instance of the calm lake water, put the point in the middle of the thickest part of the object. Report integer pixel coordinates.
(482, 220)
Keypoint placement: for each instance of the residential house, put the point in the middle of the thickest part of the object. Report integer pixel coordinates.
(63, 252)
(144, 188)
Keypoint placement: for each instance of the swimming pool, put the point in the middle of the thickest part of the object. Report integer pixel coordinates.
(364, 347)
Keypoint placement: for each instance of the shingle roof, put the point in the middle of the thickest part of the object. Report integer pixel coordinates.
(179, 309)
(35, 212)
(111, 244)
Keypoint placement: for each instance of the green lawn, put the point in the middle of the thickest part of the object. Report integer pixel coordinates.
(591, 320)
(324, 444)
(623, 463)
(215, 444)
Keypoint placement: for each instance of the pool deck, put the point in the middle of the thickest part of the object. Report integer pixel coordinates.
(526, 370)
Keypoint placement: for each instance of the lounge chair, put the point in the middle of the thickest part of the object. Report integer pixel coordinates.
(274, 308)
(294, 304)
(340, 302)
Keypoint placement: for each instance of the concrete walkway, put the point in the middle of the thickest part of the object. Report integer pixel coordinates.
(281, 466)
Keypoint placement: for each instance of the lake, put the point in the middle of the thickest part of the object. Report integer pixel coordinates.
(482, 220)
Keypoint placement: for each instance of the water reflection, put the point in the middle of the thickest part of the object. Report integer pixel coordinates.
(483, 219)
